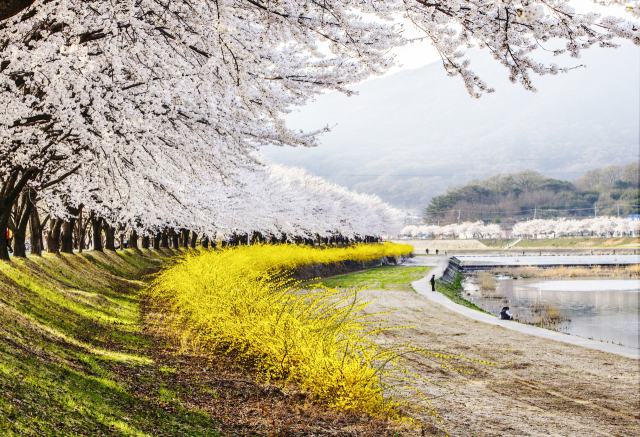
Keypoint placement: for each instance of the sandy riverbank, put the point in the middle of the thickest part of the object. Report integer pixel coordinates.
(551, 388)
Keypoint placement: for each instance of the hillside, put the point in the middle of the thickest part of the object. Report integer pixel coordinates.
(408, 136)
(609, 191)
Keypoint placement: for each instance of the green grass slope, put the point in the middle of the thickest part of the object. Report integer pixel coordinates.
(380, 278)
(70, 329)
(83, 354)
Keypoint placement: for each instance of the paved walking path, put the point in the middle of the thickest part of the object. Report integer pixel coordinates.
(423, 287)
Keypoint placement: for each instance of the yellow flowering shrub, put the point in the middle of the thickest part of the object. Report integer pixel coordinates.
(239, 300)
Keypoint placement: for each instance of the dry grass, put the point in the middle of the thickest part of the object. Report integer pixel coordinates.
(546, 315)
(616, 271)
(488, 284)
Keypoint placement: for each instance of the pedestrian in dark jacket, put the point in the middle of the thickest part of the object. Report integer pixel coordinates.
(505, 314)
(433, 282)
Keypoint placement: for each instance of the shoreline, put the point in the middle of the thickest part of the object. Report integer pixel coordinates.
(541, 386)
(423, 288)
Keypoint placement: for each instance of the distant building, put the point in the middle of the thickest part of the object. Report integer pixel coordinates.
(633, 217)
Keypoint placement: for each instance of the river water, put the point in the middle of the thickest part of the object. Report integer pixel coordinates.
(598, 308)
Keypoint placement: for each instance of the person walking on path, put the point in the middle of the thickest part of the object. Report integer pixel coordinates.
(433, 282)
(427, 251)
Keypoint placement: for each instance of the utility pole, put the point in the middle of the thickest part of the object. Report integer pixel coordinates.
(618, 210)
(535, 210)
(595, 209)
(458, 215)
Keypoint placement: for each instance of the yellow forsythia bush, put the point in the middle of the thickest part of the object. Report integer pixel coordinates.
(239, 300)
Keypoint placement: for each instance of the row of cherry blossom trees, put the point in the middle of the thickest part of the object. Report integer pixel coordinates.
(596, 226)
(462, 230)
(290, 205)
(145, 116)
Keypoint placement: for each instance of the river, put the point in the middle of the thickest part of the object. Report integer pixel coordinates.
(602, 309)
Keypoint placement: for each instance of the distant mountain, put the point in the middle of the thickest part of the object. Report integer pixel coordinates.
(612, 190)
(408, 136)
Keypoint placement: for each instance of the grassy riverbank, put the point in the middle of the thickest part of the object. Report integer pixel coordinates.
(453, 290)
(81, 354)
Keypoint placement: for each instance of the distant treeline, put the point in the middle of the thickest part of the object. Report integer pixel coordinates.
(528, 193)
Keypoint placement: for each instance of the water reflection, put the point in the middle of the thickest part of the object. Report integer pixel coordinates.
(602, 308)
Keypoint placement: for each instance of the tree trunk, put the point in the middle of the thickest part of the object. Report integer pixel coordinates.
(205, 242)
(53, 236)
(11, 8)
(156, 241)
(66, 245)
(80, 230)
(109, 236)
(175, 239)
(164, 239)
(145, 241)
(185, 238)
(10, 189)
(4, 244)
(194, 239)
(20, 233)
(96, 229)
(23, 213)
(36, 232)
(133, 240)
(67, 231)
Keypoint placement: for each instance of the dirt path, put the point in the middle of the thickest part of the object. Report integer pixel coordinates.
(551, 388)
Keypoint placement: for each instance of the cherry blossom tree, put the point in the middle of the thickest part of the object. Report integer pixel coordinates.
(132, 86)
(599, 226)
(147, 114)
